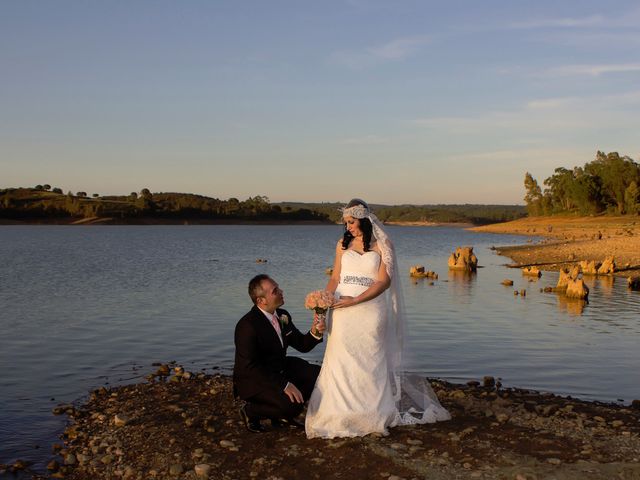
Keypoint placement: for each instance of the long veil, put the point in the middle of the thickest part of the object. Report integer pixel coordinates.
(416, 401)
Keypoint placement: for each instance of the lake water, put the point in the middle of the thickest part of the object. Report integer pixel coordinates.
(82, 307)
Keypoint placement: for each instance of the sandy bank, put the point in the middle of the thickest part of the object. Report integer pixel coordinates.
(169, 428)
(571, 239)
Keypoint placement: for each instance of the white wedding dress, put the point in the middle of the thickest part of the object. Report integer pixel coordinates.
(355, 393)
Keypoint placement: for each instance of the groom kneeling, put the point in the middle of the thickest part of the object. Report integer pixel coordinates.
(274, 385)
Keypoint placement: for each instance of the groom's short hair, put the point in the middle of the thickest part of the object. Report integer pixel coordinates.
(255, 287)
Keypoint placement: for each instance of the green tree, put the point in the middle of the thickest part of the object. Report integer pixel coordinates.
(584, 192)
(558, 189)
(616, 174)
(533, 195)
(632, 198)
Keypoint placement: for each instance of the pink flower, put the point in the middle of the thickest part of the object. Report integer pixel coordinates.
(319, 301)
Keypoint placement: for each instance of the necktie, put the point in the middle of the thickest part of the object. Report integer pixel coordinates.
(276, 326)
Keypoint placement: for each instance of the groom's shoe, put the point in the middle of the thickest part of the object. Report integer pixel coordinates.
(252, 424)
(286, 422)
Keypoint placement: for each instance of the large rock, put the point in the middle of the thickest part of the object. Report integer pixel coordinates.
(589, 267)
(577, 289)
(531, 272)
(463, 259)
(608, 267)
(633, 283)
(567, 275)
(418, 271)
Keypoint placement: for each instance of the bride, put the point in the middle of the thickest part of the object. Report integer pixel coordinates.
(361, 388)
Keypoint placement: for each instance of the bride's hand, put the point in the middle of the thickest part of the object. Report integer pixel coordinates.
(344, 302)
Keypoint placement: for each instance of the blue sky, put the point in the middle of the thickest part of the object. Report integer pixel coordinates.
(394, 102)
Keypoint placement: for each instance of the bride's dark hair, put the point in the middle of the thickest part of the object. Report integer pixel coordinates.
(365, 226)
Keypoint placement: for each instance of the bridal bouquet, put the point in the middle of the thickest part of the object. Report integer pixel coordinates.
(319, 301)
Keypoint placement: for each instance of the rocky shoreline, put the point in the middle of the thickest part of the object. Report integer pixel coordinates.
(569, 240)
(180, 425)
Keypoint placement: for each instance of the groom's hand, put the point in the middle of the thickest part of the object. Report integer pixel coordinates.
(293, 393)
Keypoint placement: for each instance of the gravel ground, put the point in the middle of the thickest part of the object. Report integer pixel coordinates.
(186, 426)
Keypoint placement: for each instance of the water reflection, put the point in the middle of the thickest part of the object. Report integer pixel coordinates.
(461, 282)
(572, 306)
(605, 284)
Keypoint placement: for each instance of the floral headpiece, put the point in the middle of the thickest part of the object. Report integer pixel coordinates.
(357, 211)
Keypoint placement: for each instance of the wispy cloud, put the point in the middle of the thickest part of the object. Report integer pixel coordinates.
(590, 21)
(546, 117)
(394, 50)
(592, 70)
(593, 40)
(366, 140)
(549, 103)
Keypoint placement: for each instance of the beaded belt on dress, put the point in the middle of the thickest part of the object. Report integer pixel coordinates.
(356, 280)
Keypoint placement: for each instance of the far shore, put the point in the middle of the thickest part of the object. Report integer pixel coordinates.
(569, 240)
(196, 221)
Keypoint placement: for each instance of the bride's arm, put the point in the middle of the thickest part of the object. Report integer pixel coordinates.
(380, 285)
(332, 284)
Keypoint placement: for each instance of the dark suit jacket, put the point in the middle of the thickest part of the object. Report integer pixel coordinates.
(260, 361)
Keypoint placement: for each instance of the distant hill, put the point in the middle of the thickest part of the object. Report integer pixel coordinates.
(467, 213)
(42, 204)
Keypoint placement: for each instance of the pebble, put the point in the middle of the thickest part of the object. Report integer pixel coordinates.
(107, 459)
(197, 453)
(457, 394)
(414, 442)
(554, 461)
(120, 420)
(502, 417)
(202, 469)
(398, 446)
(227, 444)
(617, 423)
(70, 459)
(176, 469)
(599, 419)
(83, 458)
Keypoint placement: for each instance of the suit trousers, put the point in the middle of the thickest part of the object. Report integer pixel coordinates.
(274, 403)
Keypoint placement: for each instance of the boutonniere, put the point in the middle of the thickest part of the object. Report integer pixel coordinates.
(284, 320)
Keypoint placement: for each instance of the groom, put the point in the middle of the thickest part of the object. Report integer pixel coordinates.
(273, 385)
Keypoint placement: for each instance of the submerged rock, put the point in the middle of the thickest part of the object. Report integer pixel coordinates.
(463, 259)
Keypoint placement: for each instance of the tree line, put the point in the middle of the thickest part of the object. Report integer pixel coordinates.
(43, 202)
(464, 213)
(608, 184)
